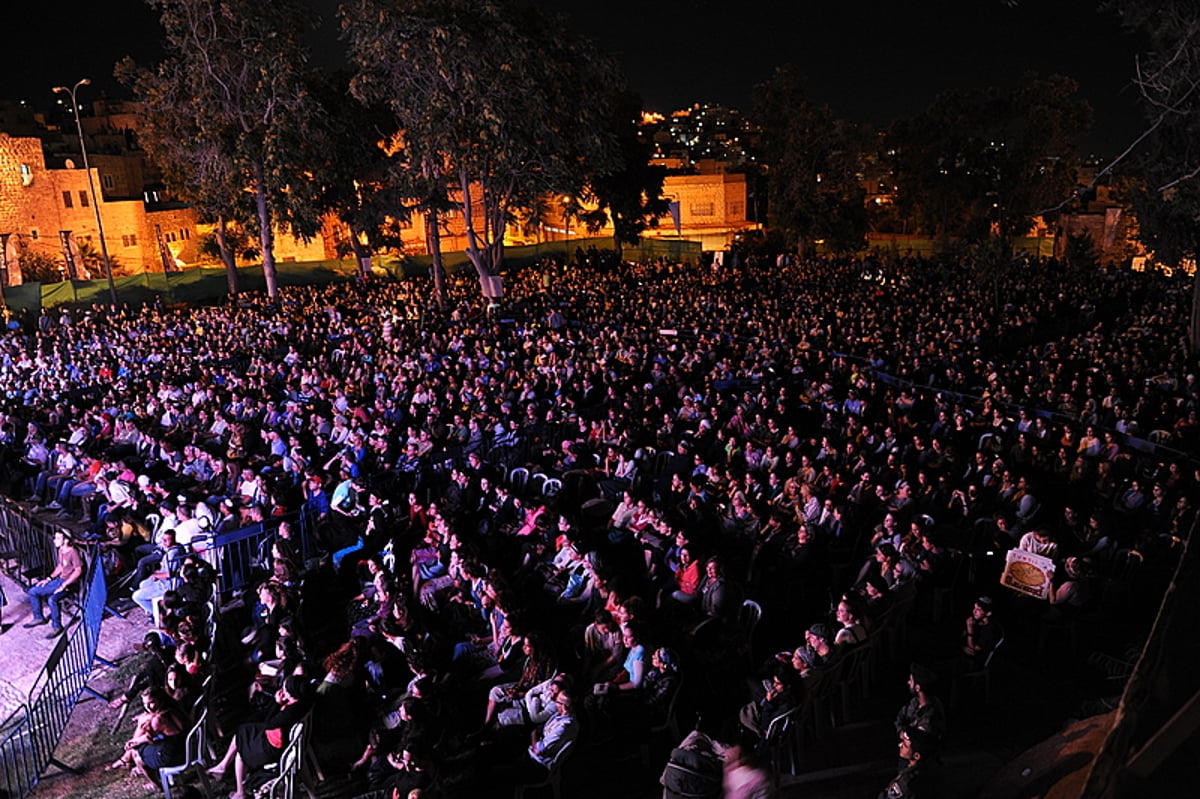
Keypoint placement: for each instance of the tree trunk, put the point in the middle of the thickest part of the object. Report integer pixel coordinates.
(362, 255)
(474, 251)
(433, 236)
(265, 234)
(227, 257)
(1194, 327)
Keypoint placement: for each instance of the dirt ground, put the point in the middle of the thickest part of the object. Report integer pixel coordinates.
(90, 742)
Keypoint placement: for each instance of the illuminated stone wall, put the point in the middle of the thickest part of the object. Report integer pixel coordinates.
(34, 206)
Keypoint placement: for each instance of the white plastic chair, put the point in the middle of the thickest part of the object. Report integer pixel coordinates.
(193, 758)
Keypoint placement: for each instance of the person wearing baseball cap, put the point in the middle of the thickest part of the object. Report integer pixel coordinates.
(820, 640)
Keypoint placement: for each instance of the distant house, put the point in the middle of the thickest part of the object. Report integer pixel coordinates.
(1108, 224)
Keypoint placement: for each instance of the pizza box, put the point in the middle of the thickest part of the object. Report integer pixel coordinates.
(1027, 573)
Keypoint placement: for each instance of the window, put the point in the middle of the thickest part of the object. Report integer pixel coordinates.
(129, 240)
(170, 237)
(703, 209)
(107, 181)
(26, 175)
(67, 203)
(83, 199)
(737, 209)
(184, 234)
(33, 234)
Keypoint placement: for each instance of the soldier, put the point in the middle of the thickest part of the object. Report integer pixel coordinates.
(924, 710)
(917, 749)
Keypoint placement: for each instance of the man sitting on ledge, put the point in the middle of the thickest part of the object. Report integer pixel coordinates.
(66, 574)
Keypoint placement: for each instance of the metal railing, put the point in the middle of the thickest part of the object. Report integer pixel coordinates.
(238, 556)
(26, 542)
(30, 735)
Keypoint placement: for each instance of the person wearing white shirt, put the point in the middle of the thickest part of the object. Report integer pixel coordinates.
(187, 527)
(559, 730)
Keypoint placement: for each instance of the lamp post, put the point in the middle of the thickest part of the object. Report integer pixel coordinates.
(112, 287)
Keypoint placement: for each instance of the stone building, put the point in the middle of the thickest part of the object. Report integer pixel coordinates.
(711, 207)
(38, 202)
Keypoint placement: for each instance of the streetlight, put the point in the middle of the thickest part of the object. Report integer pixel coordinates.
(112, 287)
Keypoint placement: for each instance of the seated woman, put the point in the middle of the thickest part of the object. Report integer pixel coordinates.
(717, 596)
(687, 578)
(659, 685)
(853, 630)
(159, 655)
(181, 687)
(538, 667)
(385, 597)
(633, 668)
(157, 740)
(780, 697)
(410, 771)
(258, 744)
(624, 513)
(271, 673)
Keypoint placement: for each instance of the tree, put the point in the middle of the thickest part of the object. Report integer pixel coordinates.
(630, 196)
(986, 161)
(38, 266)
(233, 81)
(814, 165)
(92, 259)
(352, 170)
(495, 104)
(1081, 251)
(189, 152)
(1167, 154)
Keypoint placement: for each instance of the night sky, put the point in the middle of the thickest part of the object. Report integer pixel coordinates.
(871, 61)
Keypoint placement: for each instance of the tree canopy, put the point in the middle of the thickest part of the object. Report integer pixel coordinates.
(232, 109)
(815, 161)
(987, 160)
(629, 195)
(489, 98)
(1167, 154)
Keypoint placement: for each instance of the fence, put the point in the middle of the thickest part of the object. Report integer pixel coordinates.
(190, 285)
(564, 251)
(236, 555)
(25, 541)
(29, 736)
(208, 283)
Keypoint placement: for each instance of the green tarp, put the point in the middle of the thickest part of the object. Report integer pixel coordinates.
(209, 283)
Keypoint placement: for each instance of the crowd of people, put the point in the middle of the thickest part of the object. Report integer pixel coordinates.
(531, 528)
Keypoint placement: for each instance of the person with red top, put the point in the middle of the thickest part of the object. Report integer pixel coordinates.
(256, 745)
(687, 578)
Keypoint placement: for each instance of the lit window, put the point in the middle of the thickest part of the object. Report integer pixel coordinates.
(26, 175)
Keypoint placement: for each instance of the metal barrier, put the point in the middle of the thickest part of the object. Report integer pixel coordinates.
(238, 555)
(26, 541)
(30, 735)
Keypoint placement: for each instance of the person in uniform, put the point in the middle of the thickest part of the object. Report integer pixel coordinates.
(917, 750)
(924, 710)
